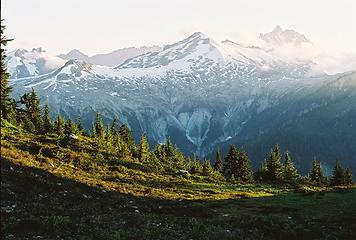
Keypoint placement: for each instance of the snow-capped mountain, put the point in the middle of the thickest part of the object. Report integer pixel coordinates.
(200, 92)
(200, 49)
(75, 54)
(109, 59)
(176, 88)
(22, 63)
(279, 37)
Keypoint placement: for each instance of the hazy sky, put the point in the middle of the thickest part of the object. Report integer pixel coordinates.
(105, 25)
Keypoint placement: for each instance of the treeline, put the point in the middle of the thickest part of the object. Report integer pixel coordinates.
(278, 168)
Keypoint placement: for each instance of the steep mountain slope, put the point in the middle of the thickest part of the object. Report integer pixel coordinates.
(22, 63)
(199, 92)
(320, 123)
(185, 90)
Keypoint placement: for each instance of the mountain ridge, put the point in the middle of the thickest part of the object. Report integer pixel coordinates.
(111, 59)
(200, 92)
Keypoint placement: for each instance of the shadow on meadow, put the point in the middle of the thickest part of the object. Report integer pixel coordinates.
(37, 204)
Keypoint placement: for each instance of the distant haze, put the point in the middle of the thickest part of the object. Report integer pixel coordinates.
(100, 27)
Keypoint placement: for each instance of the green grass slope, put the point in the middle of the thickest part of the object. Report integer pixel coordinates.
(54, 192)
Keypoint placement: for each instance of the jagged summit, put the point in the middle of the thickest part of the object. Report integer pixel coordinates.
(23, 63)
(38, 49)
(192, 39)
(199, 35)
(277, 29)
(74, 54)
(196, 47)
(279, 37)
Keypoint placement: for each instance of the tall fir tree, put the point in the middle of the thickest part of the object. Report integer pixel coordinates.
(243, 171)
(32, 104)
(195, 166)
(70, 127)
(80, 126)
(207, 170)
(158, 152)
(338, 176)
(126, 137)
(289, 172)
(261, 175)
(274, 165)
(168, 148)
(114, 127)
(98, 128)
(143, 148)
(230, 162)
(109, 138)
(32, 109)
(348, 177)
(46, 119)
(124, 150)
(28, 124)
(59, 125)
(218, 166)
(6, 103)
(316, 174)
(126, 134)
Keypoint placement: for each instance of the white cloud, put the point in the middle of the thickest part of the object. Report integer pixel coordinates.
(326, 60)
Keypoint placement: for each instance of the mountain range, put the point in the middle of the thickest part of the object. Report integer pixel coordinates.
(205, 94)
(109, 59)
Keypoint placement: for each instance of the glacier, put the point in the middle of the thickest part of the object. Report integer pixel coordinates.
(197, 91)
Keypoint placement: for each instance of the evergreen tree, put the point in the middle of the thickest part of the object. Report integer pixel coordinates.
(12, 114)
(168, 148)
(32, 109)
(114, 127)
(338, 177)
(316, 173)
(242, 171)
(274, 165)
(289, 172)
(69, 127)
(143, 148)
(59, 125)
(206, 168)
(262, 173)
(218, 166)
(348, 177)
(127, 138)
(126, 135)
(6, 103)
(108, 138)
(230, 162)
(32, 104)
(174, 155)
(98, 128)
(46, 119)
(124, 151)
(195, 166)
(80, 126)
(28, 124)
(158, 152)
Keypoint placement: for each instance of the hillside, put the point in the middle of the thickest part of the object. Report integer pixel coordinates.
(319, 122)
(204, 94)
(51, 190)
